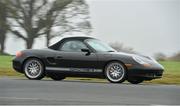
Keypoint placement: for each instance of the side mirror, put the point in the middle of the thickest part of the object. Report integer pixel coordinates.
(87, 51)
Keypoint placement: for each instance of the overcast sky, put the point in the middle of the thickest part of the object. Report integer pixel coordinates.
(148, 26)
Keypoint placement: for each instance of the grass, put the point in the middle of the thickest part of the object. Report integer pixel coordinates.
(6, 67)
(171, 74)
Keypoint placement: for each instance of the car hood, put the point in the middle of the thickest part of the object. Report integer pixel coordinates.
(126, 54)
(132, 54)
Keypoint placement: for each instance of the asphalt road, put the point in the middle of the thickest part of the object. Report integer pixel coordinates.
(47, 92)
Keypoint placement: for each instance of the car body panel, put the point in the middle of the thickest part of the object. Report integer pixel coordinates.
(83, 65)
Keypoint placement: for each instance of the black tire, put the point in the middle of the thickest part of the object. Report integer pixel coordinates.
(36, 73)
(119, 71)
(56, 77)
(135, 81)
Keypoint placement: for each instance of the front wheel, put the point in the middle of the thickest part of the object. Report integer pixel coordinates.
(34, 69)
(115, 72)
(135, 81)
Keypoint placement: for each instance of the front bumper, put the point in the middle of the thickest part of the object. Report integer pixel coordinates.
(146, 73)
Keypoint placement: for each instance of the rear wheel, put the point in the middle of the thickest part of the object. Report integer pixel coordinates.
(34, 69)
(135, 81)
(56, 77)
(115, 72)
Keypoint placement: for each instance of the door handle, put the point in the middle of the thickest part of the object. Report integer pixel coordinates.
(59, 57)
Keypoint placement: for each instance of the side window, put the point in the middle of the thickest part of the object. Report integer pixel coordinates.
(73, 46)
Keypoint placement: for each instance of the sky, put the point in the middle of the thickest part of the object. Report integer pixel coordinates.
(148, 26)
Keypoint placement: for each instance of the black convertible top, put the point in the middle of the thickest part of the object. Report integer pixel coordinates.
(56, 45)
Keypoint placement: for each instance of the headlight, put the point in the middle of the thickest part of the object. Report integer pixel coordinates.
(140, 60)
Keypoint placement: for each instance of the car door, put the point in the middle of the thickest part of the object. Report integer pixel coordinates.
(71, 58)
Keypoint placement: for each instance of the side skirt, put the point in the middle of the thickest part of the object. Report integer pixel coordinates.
(76, 72)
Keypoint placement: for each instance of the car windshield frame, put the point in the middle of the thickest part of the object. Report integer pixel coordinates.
(100, 46)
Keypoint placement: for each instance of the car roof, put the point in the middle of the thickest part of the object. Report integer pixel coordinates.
(56, 45)
(77, 38)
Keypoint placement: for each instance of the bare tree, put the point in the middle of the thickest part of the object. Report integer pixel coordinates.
(30, 18)
(121, 48)
(74, 18)
(3, 24)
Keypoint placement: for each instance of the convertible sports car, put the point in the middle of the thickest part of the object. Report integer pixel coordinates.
(86, 57)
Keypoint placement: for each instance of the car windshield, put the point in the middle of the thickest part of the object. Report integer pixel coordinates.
(99, 45)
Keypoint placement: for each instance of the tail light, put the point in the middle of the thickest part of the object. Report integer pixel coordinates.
(19, 54)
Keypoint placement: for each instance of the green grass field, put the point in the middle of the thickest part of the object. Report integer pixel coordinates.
(171, 74)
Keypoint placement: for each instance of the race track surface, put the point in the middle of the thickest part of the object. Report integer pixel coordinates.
(48, 92)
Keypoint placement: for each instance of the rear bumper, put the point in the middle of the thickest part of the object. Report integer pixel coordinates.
(17, 65)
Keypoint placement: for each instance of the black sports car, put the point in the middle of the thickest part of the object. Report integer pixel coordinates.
(86, 57)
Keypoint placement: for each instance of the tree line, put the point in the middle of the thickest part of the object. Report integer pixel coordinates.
(162, 57)
(30, 19)
(120, 47)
